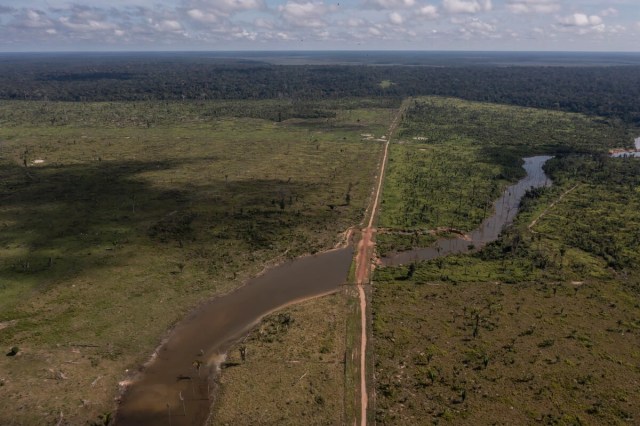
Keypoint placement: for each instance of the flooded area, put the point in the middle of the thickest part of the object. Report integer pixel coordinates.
(505, 209)
(175, 388)
(622, 154)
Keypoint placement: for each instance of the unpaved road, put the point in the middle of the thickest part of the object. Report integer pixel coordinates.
(364, 269)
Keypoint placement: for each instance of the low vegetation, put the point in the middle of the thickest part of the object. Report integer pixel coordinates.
(456, 157)
(115, 226)
(289, 369)
(539, 326)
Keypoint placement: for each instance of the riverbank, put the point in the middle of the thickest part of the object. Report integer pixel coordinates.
(144, 223)
(537, 326)
(293, 368)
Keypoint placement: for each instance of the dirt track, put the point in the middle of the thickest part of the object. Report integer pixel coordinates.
(364, 268)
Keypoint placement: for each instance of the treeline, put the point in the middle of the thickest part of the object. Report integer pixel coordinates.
(584, 220)
(153, 113)
(605, 91)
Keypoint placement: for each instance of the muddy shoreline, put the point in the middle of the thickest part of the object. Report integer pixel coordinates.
(176, 385)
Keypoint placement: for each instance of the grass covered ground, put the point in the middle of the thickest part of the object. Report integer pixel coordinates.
(453, 158)
(540, 326)
(495, 353)
(293, 370)
(115, 226)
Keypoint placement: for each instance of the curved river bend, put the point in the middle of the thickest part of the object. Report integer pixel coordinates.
(174, 389)
(505, 209)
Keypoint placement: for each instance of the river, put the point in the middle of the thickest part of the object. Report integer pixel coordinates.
(635, 153)
(171, 390)
(505, 209)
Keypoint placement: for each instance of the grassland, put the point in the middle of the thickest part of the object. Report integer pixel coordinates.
(116, 222)
(293, 369)
(540, 326)
(455, 157)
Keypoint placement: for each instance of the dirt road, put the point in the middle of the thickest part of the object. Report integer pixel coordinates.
(364, 268)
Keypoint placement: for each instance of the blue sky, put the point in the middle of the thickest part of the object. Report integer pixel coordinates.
(565, 25)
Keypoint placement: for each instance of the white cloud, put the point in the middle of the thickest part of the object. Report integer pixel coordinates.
(244, 34)
(202, 16)
(225, 6)
(467, 6)
(355, 22)
(396, 18)
(429, 11)
(474, 27)
(307, 14)
(580, 20)
(264, 23)
(31, 18)
(533, 6)
(284, 24)
(390, 4)
(167, 25)
(89, 25)
(210, 12)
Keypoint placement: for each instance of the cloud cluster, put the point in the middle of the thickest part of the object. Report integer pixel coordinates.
(216, 24)
(533, 6)
(580, 20)
(467, 6)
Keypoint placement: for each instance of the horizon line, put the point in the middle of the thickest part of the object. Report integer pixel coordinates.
(320, 51)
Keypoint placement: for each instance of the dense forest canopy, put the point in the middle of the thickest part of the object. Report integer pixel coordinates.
(609, 91)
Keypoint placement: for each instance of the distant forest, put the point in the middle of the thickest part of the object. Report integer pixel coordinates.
(608, 91)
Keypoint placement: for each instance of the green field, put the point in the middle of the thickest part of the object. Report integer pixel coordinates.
(119, 218)
(540, 326)
(293, 369)
(453, 158)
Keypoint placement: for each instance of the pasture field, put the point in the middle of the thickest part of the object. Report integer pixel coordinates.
(539, 326)
(453, 158)
(117, 219)
(293, 369)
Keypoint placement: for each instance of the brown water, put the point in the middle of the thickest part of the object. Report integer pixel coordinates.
(635, 153)
(171, 391)
(505, 209)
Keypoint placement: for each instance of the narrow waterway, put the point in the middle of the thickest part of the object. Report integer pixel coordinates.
(505, 209)
(175, 388)
(635, 153)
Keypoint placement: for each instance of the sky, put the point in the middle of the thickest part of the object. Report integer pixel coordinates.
(179, 25)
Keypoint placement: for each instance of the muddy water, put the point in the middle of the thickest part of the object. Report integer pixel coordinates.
(171, 390)
(635, 153)
(505, 209)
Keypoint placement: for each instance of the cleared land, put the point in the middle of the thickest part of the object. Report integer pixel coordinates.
(140, 211)
(293, 370)
(540, 326)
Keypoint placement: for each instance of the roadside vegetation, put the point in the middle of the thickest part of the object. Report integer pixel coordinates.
(539, 326)
(454, 158)
(289, 369)
(118, 218)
